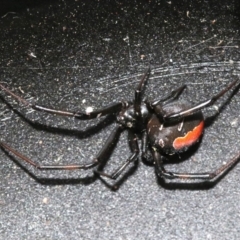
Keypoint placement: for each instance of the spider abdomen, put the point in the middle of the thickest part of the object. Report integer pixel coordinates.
(176, 136)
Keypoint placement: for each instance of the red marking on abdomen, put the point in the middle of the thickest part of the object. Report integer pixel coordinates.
(190, 138)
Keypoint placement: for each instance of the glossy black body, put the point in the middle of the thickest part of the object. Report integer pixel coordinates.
(161, 135)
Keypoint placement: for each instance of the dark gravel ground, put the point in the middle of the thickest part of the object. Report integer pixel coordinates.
(76, 54)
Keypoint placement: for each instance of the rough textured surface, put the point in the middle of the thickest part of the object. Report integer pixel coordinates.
(74, 54)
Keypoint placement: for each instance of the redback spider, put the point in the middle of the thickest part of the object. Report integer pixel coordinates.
(166, 126)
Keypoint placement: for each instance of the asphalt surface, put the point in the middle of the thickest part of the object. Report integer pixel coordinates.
(78, 54)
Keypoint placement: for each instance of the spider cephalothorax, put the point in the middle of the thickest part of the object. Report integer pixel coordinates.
(130, 118)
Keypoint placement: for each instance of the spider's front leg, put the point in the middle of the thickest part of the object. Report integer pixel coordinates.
(200, 106)
(110, 109)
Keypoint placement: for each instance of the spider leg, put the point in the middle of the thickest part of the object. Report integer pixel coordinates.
(145, 150)
(202, 176)
(199, 106)
(134, 148)
(157, 104)
(111, 108)
(101, 155)
(170, 97)
(138, 92)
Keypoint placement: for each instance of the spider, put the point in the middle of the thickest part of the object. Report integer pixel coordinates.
(166, 126)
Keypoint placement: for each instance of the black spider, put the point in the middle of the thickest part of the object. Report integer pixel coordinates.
(165, 126)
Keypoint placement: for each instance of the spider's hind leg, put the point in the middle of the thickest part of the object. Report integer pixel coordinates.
(204, 176)
(133, 141)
